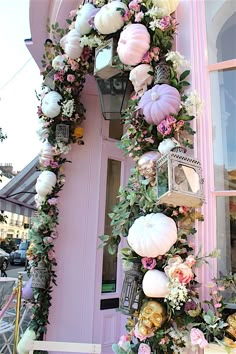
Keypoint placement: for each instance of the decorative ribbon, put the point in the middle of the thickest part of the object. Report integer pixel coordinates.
(7, 305)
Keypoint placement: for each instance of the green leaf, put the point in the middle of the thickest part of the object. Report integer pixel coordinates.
(104, 237)
(184, 75)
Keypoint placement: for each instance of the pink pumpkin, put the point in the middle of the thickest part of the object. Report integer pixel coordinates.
(134, 42)
(159, 102)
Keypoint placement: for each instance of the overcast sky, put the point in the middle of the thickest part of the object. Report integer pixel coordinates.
(19, 78)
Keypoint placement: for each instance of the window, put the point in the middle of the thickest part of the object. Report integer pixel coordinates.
(221, 32)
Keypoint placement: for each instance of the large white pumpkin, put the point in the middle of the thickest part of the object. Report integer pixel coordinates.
(45, 183)
(155, 283)
(83, 17)
(46, 152)
(168, 5)
(50, 104)
(109, 19)
(152, 235)
(71, 44)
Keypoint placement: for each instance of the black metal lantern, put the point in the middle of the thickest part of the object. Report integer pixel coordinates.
(131, 293)
(179, 179)
(114, 94)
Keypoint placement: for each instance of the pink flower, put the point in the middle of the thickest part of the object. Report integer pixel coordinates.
(72, 13)
(139, 16)
(179, 270)
(148, 262)
(165, 23)
(73, 63)
(190, 261)
(70, 78)
(127, 15)
(144, 349)
(147, 58)
(164, 128)
(218, 305)
(53, 201)
(51, 255)
(134, 5)
(170, 120)
(124, 342)
(197, 338)
(155, 53)
(48, 240)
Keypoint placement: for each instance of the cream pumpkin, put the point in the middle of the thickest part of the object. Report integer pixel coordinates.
(84, 15)
(152, 235)
(71, 44)
(134, 42)
(155, 284)
(50, 104)
(45, 183)
(158, 102)
(46, 152)
(109, 19)
(168, 5)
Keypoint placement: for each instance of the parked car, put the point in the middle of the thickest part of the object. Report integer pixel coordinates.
(19, 256)
(4, 259)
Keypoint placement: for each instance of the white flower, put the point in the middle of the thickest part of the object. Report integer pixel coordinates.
(193, 104)
(166, 145)
(61, 148)
(154, 24)
(178, 60)
(157, 12)
(68, 108)
(90, 41)
(178, 294)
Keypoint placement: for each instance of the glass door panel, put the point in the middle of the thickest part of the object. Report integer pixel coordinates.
(109, 271)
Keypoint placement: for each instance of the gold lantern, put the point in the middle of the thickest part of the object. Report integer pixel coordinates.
(40, 276)
(179, 179)
(131, 293)
(105, 66)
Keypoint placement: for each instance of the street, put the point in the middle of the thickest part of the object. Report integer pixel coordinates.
(13, 271)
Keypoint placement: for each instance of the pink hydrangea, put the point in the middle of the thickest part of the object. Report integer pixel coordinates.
(70, 78)
(144, 349)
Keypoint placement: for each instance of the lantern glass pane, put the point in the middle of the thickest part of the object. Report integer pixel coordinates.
(187, 179)
(103, 57)
(162, 179)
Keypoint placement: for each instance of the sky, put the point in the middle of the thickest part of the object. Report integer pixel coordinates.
(19, 78)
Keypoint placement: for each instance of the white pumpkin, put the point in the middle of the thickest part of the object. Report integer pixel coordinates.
(168, 5)
(23, 347)
(45, 183)
(109, 19)
(71, 44)
(83, 17)
(152, 235)
(155, 284)
(46, 153)
(50, 104)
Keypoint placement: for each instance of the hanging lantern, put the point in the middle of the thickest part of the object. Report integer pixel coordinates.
(62, 133)
(40, 276)
(162, 73)
(179, 179)
(105, 66)
(131, 293)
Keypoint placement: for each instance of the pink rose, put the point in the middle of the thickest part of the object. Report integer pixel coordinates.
(179, 270)
(190, 261)
(70, 78)
(53, 201)
(144, 349)
(47, 240)
(197, 338)
(134, 5)
(139, 16)
(51, 254)
(148, 262)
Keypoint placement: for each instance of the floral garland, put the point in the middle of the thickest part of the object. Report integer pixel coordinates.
(183, 322)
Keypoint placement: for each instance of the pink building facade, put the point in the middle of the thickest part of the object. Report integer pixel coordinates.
(89, 283)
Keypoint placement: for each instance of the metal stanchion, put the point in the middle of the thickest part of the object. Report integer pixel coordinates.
(18, 307)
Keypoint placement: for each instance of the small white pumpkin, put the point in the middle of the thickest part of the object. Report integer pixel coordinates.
(46, 153)
(83, 17)
(50, 104)
(71, 44)
(152, 235)
(109, 19)
(155, 284)
(23, 347)
(45, 183)
(168, 5)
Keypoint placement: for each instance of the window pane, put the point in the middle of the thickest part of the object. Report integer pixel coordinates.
(223, 106)
(221, 29)
(226, 234)
(110, 261)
